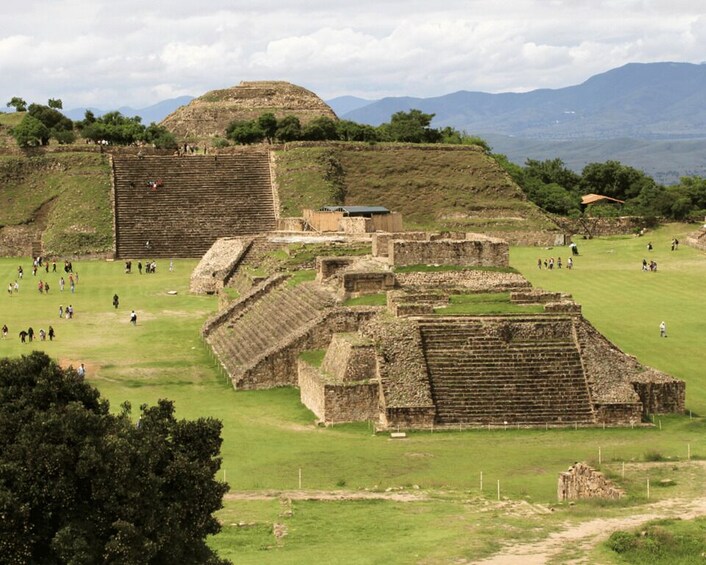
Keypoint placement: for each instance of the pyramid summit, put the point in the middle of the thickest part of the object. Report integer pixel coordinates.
(210, 114)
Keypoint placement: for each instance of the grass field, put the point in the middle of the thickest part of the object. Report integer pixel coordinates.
(269, 436)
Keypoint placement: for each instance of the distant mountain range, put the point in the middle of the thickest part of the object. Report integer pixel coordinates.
(639, 101)
(651, 116)
(155, 113)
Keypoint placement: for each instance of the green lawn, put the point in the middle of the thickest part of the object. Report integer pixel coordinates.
(269, 436)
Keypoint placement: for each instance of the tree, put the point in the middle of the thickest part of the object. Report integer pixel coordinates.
(320, 129)
(159, 136)
(614, 179)
(55, 103)
(268, 125)
(30, 132)
(113, 127)
(289, 129)
(245, 132)
(81, 485)
(553, 171)
(18, 104)
(411, 127)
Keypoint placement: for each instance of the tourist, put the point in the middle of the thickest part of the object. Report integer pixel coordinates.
(139, 266)
(23, 336)
(51, 333)
(644, 264)
(20, 272)
(558, 263)
(16, 288)
(539, 263)
(116, 301)
(9, 289)
(61, 284)
(81, 371)
(70, 312)
(4, 331)
(30, 333)
(649, 246)
(61, 311)
(663, 330)
(133, 318)
(570, 263)
(40, 286)
(42, 333)
(46, 288)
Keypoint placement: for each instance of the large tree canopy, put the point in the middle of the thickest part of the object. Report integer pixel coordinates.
(81, 485)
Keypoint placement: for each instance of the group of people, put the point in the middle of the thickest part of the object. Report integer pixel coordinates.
(68, 313)
(28, 334)
(150, 267)
(650, 266)
(549, 263)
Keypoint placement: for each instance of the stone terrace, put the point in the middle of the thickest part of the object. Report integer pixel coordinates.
(264, 324)
(201, 199)
(514, 370)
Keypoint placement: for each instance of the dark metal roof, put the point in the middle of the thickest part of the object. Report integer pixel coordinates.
(356, 210)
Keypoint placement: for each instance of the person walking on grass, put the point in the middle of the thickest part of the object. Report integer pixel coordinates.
(116, 301)
(663, 329)
(133, 318)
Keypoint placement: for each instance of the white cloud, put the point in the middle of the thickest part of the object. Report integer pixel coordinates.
(135, 53)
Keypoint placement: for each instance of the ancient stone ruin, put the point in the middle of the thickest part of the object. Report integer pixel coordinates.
(209, 115)
(581, 482)
(171, 206)
(407, 364)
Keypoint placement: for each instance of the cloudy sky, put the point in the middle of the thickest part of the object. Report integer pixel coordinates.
(108, 54)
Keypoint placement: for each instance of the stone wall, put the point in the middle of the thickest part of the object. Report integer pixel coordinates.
(660, 397)
(244, 302)
(697, 239)
(327, 267)
(311, 389)
(350, 358)
(581, 482)
(355, 283)
(469, 281)
(337, 403)
(594, 227)
(355, 225)
(617, 379)
(218, 265)
(279, 366)
(405, 393)
(290, 224)
(381, 241)
(488, 252)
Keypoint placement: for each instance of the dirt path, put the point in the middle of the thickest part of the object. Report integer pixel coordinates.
(327, 495)
(587, 534)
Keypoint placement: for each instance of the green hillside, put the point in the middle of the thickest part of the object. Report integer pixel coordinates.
(434, 187)
(63, 197)
(7, 122)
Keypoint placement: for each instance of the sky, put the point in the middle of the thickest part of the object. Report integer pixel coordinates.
(108, 54)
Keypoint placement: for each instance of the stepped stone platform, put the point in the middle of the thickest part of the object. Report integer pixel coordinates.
(506, 370)
(403, 365)
(197, 199)
(258, 339)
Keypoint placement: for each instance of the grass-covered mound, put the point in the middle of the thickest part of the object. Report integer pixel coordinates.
(7, 122)
(434, 187)
(662, 542)
(64, 197)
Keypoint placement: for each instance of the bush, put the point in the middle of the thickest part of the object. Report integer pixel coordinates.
(621, 542)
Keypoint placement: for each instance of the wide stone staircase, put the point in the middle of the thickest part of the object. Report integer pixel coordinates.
(506, 370)
(196, 200)
(265, 325)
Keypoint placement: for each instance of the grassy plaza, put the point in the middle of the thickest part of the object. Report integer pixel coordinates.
(271, 442)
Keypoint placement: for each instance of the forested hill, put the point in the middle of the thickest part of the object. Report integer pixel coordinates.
(652, 101)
